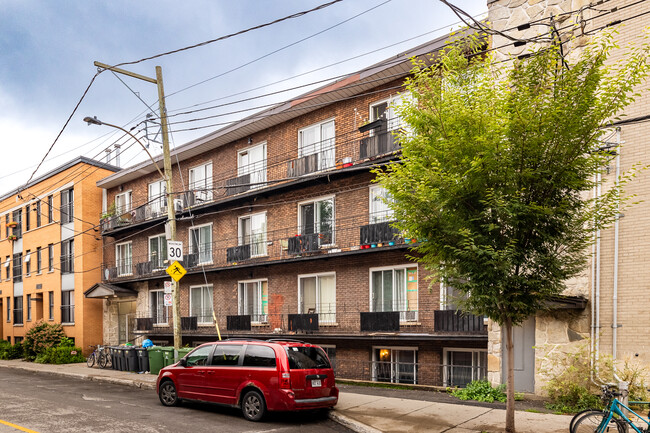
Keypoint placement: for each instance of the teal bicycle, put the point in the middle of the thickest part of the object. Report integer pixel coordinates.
(613, 419)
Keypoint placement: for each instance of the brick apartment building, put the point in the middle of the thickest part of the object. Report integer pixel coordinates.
(616, 280)
(286, 236)
(44, 228)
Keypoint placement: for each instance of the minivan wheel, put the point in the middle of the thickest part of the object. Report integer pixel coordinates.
(167, 394)
(253, 406)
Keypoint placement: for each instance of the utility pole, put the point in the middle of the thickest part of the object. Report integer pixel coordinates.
(167, 162)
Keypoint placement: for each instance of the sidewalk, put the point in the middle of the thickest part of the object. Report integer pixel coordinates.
(359, 412)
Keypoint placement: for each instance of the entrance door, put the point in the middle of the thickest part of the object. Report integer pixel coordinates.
(125, 319)
(524, 342)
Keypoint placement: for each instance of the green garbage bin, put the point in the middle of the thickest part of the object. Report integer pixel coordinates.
(184, 351)
(155, 359)
(168, 355)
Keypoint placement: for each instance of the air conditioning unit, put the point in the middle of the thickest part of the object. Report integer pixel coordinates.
(178, 205)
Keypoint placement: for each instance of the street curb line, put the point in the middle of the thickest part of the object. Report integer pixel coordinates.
(350, 423)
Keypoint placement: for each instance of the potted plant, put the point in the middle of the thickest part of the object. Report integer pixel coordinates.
(12, 237)
(12, 224)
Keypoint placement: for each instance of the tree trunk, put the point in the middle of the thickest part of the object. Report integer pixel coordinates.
(510, 384)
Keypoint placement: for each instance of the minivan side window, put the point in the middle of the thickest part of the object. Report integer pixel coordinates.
(199, 356)
(259, 356)
(302, 357)
(226, 354)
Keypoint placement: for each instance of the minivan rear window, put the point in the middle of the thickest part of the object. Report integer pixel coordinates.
(303, 357)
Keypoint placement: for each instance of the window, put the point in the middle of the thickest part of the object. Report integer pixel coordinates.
(28, 263)
(123, 258)
(158, 251)
(395, 365)
(253, 161)
(316, 218)
(306, 358)
(123, 203)
(201, 183)
(39, 260)
(201, 303)
(50, 208)
(252, 231)
(201, 243)
(461, 366)
(67, 306)
(199, 356)
(318, 139)
(27, 218)
(8, 267)
(8, 309)
(67, 256)
(226, 354)
(386, 109)
(18, 219)
(18, 310)
(380, 200)
(159, 313)
(157, 198)
(50, 257)
(254, 300)
(29, 308)
(395, 289)
(7, 225)
(51, 306)
(18, 267)
(38, 213)
(67, 206)
(259, 356)
(317, 294)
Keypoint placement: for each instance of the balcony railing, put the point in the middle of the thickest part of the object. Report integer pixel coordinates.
(378, 233)
(238, 253)
(458, 321)
(238, 184)
(378, 144)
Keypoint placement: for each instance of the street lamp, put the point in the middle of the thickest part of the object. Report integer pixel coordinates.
(95, 121)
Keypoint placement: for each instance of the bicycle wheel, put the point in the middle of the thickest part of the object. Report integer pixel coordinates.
(579, 415)
(109, 360)
(591, 423)
(91, 360)
(102, 360)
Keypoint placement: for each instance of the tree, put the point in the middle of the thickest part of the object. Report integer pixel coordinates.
(496, 168)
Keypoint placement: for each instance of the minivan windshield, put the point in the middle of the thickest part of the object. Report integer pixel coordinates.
(304, 357)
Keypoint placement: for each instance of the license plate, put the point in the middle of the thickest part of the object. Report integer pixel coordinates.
(316, 383)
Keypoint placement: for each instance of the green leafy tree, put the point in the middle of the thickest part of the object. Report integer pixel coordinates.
(496, 170)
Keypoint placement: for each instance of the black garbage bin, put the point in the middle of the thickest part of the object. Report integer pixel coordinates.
(121, 361)
(143, 358)
(113, 354)
(131, 358)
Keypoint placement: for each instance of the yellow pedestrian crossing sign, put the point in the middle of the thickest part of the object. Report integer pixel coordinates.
(176, 271)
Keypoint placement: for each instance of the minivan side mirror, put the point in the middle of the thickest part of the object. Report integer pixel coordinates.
(183, 362)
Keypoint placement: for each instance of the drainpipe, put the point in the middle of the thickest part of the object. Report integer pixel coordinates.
(597, 327)
(592, 298)
(616, 242)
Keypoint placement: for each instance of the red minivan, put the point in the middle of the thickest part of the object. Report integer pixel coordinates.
(254, 375)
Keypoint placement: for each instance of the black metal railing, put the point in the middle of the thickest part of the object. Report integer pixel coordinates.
(378, 144)
(377, 233)
(458, 321)
(300, 244)
(238, 253)
(380, 321)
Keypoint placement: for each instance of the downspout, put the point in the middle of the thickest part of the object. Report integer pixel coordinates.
(597, 326)
(592, 297)
(616, 241)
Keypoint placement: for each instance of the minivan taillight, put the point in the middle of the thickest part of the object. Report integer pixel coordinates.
(285, 381)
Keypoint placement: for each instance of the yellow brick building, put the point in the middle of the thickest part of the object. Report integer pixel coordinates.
(51, 252)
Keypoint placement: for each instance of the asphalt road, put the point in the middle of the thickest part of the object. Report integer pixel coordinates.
(52, 404)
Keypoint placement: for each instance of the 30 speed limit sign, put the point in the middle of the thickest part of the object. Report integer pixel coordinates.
(174, 250)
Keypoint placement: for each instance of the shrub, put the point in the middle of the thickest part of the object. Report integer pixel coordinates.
(7, 351)
(481, 390)
(61, 355)
(41, 337)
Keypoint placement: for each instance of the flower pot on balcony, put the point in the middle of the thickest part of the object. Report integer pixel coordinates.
(12, 224)
(12, 237)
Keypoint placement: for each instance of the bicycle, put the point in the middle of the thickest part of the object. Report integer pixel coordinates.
(613, 417)
(606, 397)
(101, 356)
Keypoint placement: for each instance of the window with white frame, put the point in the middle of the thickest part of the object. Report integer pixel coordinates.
(157, 194)
(123, 259)
(319, 139)
(317, 294)
(317, 218)
(461, 366)
(395, 289)
(254, 300)
(158, 251)
(379, 207)
(67, 306)
(253, 161)
(252, 231)
(201, 304)
(450, 297)
(386, 109)
(123, 203)
(159, 313)
(201, 243)
(201, 183)
(395, 364)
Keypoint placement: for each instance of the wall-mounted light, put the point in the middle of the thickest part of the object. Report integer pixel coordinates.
(250, 140)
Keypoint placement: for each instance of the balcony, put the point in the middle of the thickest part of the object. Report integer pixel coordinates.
(378, 144)
(302, 166)
(458, 321)
(238, 253)
(301, 244)
(378, 233)
(238, 184)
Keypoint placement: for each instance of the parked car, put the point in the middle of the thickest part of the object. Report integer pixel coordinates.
(254, 375)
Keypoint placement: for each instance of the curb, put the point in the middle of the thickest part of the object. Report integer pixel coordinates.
(350, 423)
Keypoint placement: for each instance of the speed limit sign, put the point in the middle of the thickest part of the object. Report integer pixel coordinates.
(174, 250)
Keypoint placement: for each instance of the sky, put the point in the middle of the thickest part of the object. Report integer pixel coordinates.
(47, 50)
